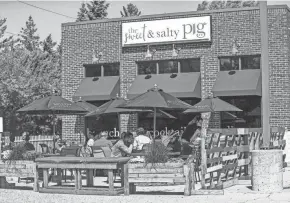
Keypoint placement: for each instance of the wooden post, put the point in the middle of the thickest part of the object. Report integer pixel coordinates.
(59, 178)
(206, 117)
(111, 180)
(187, 187)
(265, 73)
(79, 178)
(36, 185)
(90, 177)
(125, 178)
(45, 177)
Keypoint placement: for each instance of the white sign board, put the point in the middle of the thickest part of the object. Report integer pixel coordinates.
(1, 124)
(193, 29)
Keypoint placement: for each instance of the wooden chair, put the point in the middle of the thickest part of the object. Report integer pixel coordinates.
(69, 152)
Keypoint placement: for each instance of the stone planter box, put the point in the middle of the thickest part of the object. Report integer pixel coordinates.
(162, 174)
(24, 169)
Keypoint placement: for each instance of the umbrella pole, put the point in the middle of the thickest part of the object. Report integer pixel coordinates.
(154, 123)
(53, 131)
(119, 124)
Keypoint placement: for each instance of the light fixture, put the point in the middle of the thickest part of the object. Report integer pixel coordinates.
(175, 51)
(149, 53)
(236, 46)
(96, 57)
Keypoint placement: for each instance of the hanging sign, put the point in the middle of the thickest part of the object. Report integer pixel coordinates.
(193, 29)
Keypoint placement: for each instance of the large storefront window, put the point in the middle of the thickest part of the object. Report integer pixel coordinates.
(163, 124)
(239, 63)
(108, 123)
(250, 117)
(98, 70)
(168, 66)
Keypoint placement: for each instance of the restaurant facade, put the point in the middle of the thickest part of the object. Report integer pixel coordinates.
(191, 55)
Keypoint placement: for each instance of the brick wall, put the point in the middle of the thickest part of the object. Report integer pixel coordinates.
(79, 39)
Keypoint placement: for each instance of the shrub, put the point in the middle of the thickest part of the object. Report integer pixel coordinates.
(156, 153)
(19, 152)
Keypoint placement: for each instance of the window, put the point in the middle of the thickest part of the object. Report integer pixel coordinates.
(168, 67)
(98, 70)
(250, 62)
(93, 71)
(147, 67)
(239, 63)
(190, 65)
(111, 69)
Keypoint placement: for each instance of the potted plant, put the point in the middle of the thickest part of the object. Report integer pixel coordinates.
(159, 169)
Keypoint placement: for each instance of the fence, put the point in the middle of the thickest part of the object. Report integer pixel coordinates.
(34, 139)
(228, 155)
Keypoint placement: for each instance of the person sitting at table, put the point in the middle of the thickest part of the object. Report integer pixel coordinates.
(86, 150)
(25, 143)
(102, 141)
(140, 140)
(124, 146)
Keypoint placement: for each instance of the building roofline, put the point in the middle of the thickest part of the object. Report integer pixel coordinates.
(171, 14)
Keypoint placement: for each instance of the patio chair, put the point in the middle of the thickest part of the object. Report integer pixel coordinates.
(69, 152)
(45, 149)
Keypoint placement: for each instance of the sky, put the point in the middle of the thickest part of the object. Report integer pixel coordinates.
(17, 13)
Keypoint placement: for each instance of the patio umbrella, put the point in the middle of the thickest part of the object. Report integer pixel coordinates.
(161, 114)
(52, 105)
(156, 99)
(212, 105)
(110, 108)
(85, 105)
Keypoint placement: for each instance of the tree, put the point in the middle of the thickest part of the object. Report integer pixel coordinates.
(214, 5)
(93, 10)
(130, 10)
(48, 44)
(4, 42)
(29, 38)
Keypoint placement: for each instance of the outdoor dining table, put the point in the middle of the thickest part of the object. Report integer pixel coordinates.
(83, 163)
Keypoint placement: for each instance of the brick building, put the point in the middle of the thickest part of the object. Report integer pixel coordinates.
(227, 65)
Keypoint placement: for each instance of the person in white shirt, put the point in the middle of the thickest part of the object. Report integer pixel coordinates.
(141, 139)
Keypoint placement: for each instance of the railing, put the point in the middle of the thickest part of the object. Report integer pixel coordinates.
(34, 139)
(228, 154)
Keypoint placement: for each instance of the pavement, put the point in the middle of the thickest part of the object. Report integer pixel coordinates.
(23, 193)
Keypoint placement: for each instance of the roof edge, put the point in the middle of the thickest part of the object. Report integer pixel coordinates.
(171, 14)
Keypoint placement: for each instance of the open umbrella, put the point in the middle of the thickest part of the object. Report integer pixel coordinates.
(52, 105)
(85, 105)
(160, 114)
(156, 99)
(110, 107)
(212, 105)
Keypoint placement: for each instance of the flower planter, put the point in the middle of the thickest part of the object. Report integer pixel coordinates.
(21, 168)
(162, 174)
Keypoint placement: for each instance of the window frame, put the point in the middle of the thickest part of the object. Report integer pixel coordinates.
(240, 61)
(102, 69)
(158, 66)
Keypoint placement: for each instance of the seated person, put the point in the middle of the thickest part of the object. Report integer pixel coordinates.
(173, 141)
(192, 130)
(86, 150)
(25, 143)
(124, 146)
(140, 140)
(102, 141)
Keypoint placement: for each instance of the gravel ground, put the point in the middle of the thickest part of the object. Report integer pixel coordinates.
(162, 194)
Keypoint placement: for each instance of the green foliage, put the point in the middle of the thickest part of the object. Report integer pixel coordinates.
(156, 153)
(29, 70)
(130, 10)
(19, 152)
(215, 5)
(93, 10)
(29, 38)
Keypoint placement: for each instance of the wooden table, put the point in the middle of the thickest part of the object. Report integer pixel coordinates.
(78, 164)
(143, 154)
